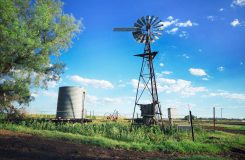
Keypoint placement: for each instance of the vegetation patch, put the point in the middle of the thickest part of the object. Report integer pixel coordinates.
(118, 135)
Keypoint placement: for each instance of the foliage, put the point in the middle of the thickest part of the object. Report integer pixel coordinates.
(33, 35)
(187, 117)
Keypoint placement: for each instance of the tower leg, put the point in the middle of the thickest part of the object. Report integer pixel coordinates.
(137, 92)
(147, 77)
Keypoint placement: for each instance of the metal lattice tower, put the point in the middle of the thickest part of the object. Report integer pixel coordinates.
(146, 30)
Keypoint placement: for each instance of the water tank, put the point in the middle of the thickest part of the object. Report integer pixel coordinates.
(70, 103)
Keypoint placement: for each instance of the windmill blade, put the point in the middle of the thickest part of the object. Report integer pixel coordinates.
(148, 19)
(152, 17)
(151, 38)
(155, 23)
(143, 20)
(159, 27)
(159, 23)
(155, 36)
(131, 29)
(137, 25)
(142, 39)
(156, 18)
(137, 34)
(140, 22)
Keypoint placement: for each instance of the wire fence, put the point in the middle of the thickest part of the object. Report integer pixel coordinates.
(175, 115)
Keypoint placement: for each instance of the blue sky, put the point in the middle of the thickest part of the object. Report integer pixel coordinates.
(201, 60)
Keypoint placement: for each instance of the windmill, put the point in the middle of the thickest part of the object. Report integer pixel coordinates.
(146, 30)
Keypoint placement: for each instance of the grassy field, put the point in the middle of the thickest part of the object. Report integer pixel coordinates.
(227, 126)
(118, 135)
(107, 134)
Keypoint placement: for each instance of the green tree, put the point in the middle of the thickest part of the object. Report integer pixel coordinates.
(187, 117)
(33, 33)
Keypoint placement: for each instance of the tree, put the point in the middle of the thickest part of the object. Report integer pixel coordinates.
(187, 117)
(32, 36)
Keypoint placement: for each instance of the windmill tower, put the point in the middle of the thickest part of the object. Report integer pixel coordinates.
(146, 30)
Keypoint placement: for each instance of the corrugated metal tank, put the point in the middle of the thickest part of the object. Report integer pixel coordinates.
(70, 103)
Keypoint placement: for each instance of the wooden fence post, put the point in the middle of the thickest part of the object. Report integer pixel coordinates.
(214, 117)
(192, 130)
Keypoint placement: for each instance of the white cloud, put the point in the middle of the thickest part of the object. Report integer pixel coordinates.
(91, 82)
(186, 24)
(170, 18)
(178, 86)
(185, 56)
(171, 22)
(240, 3)
(211, 18)
(197, 72)
(121, 84)
(225, 94)
(50, 94)
(169, 85)
(168, 23)
(221, 9)
(166, 80)
(205, 79)
(104, 101)
(161, 64)
(235, 23)
(221, 68)
(166, 72)
(134, 83)
(183, 34)
(173, 30)
(52, 84)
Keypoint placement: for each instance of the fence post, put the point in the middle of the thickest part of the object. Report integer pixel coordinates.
(221, 117)
(214, 117)
(170, 117)
(192, 131)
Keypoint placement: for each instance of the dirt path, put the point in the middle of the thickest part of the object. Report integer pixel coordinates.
(18, 146)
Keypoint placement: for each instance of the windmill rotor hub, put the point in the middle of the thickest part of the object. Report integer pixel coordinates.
(148, 29)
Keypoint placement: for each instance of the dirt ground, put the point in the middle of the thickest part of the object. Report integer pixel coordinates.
(19, 146)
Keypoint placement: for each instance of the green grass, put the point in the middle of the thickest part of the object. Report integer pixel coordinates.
(118, 135)
(198, 157)
(227, 126)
